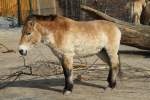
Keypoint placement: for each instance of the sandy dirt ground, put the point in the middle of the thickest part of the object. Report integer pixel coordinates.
(134, 85)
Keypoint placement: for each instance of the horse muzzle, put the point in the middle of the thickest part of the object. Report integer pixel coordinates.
(23, 52)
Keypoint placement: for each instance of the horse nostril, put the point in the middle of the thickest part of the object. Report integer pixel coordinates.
(23, 52)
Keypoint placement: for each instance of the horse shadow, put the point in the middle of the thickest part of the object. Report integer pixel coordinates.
(48, 84)
(146, 54)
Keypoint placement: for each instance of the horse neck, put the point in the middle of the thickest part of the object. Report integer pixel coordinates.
(46, 31)
(46, 27)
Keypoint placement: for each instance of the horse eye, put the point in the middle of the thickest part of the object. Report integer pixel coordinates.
(28, 33)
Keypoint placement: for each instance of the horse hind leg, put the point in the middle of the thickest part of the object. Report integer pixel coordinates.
(104, 56)
(114, 67)
(111, 58)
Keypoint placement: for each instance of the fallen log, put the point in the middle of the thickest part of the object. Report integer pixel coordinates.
(132, 35)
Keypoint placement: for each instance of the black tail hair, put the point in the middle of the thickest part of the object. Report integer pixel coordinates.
(120, 67)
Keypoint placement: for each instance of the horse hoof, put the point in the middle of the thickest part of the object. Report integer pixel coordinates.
(66, 92)
(112, 85)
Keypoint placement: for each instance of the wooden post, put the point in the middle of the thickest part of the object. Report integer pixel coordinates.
(39, 7)
(54, 7)
(30, 4)
(0, 8)
(83, 14)
(19, 13)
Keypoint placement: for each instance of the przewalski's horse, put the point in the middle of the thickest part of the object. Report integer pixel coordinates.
(135, 7)
(145, 16)
(67, 38)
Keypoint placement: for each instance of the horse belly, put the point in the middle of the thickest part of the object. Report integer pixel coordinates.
(88, 48)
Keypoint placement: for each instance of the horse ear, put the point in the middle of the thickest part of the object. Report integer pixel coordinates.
(31, 22)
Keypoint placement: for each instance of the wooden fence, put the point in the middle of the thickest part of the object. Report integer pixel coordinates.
(68, 8)
(10, 8)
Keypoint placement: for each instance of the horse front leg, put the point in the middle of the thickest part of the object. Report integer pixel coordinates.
(67, 64)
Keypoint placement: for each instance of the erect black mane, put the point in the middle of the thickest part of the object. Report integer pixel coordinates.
(42, 17)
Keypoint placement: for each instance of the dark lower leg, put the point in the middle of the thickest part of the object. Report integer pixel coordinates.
(68, 80)
(120, 73)
(68, 73)
(113, 73)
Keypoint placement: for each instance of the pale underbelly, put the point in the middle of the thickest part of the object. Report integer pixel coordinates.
(83, 52)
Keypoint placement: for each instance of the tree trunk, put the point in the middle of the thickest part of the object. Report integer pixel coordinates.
(132, 35)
